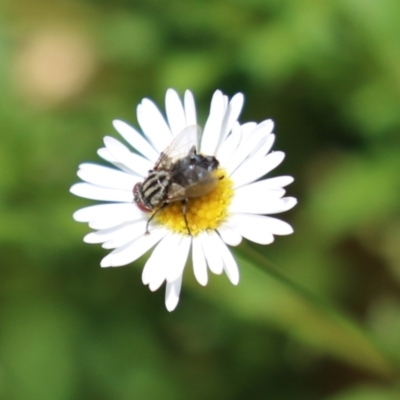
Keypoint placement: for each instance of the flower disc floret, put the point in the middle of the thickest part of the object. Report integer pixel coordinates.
(202, 213)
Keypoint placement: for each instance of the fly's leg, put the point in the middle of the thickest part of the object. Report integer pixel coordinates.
(184, 210)
(152, 216)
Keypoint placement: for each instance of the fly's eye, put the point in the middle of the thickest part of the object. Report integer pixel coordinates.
(142, 207)
(136, 191)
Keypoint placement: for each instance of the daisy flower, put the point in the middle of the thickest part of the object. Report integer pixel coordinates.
(238, 206)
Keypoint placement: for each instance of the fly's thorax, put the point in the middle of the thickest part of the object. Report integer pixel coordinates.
(210, 163)
(193, 168)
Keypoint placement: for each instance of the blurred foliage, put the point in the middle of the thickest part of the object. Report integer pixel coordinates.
(324, 321)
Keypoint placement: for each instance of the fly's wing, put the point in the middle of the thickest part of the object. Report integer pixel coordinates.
(177, 192)
(203, 187)
(180, 147)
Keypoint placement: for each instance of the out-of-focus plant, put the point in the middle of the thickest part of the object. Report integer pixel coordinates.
(327, 73)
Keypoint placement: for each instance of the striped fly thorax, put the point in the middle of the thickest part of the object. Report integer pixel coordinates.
(153, 191)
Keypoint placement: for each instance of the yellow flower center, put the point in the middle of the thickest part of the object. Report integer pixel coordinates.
(202, 213)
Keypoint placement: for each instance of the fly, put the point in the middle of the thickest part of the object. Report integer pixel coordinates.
(179, 174)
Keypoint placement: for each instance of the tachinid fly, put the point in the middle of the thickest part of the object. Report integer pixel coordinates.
(178, 175)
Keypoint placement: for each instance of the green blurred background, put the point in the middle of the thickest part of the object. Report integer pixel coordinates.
(316, 314)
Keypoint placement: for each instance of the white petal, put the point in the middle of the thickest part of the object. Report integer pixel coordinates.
(136, 140)
(172, 293)
(257, 155)
(256, 196)
(251, 135)
(262, 223)
(252, 227)
(178, 258)
(273, 183)
(114, 210)
(248, 128)
(263, 148)
(251, 171)
(231, 115)
(211, 252)
(107, 177)
(89, 191)
(133, 250)
(122, 154)
(288, 203)
(126, 234)
(251, 140)
(259, 191)
(153, 125)
(199, 262)
(190, 109)
(155, 270)
(212, 128)
(175, 113)
(103, 235)
(277, 226)
(258, 206)
(229, 146)
(230, 265)
(106, 155)
(229, 235)
(109, 221)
